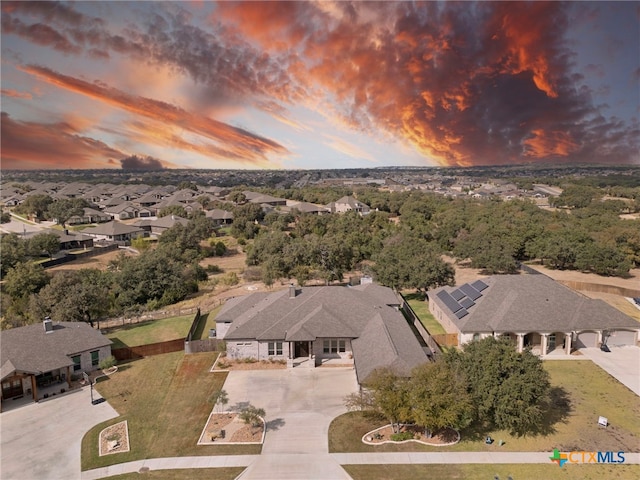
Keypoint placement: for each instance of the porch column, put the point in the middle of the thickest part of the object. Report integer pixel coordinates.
(543, 346)
(520, 342)
(599, 339)
(34, 388)
(567, 343)
(69, 377)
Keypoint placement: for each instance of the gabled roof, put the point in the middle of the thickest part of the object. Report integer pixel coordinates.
(31, 350)
(380, 334)
(169, 221)
(218, 214)
(523, 303)
(111, 229)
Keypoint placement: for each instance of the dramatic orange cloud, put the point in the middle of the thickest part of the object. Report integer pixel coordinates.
(246, 144)
(549, 144)
(27, 145)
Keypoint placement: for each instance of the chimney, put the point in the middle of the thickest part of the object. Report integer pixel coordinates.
(292, 291)
(48, 325)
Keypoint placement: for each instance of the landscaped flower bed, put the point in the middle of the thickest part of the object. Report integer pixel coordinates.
(411, 433)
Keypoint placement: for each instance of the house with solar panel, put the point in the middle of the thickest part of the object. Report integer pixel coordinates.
(360, 326)
(534, 311)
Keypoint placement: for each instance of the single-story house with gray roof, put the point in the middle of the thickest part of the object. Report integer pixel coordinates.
(40, 359)
(534, 311)
(114, 231)
(310, 326)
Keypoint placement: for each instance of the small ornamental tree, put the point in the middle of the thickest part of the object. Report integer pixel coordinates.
(219, 398)
(390, 396)
(252, 416)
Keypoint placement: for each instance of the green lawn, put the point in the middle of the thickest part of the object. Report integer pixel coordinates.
(150, 332)
(228, 473)
(207, 321)
(582, 391)
(490, 472)
(165, 399)
(421, 308)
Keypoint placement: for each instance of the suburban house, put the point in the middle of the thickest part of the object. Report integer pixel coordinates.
(40, 360)
(114, 232)
(305, 207)
(90, 215)
(311, 326)
(534, 311)
(347, 204)
(219, 216)
(264, 199)
(162, 224)
(122, 210)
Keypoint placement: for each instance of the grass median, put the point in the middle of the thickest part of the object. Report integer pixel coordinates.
(165, 399)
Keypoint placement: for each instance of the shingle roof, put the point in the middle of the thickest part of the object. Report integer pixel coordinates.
(111, 228)
(381, 335)
(519, 303)
(29, 349)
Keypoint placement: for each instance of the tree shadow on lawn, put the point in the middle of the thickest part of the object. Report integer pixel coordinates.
(556, 409)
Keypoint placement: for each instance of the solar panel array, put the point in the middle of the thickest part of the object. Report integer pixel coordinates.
(460, 300)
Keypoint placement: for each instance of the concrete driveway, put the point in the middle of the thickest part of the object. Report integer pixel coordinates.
(41, 441)
(300, 403)
(622, 363)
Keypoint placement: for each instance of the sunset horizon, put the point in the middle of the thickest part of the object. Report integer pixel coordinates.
(319, 85)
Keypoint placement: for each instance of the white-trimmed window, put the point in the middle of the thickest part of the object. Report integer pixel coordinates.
(334, 345)
(275, 348)
(95, 358)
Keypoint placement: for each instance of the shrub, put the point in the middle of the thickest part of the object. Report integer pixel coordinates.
(107, 363)
(402, 436)
(213, 269)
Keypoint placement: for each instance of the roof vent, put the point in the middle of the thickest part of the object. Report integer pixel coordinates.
(292, 291)
(48, 325)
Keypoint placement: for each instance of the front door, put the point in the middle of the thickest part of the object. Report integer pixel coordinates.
(301, 349)
(12, 388)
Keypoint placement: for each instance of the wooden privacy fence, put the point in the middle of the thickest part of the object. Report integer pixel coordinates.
(132, 353)
(446, 339)
(598, 287)
(158, 315)
(206, 345)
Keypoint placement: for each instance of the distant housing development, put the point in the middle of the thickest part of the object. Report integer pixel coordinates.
(534, 311)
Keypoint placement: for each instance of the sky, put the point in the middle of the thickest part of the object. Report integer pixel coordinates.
(318, 84)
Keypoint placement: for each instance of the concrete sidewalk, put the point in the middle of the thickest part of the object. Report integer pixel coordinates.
(308, 466)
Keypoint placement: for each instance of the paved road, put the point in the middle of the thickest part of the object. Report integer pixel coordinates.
(42, 440)
(622, 363)
(16, 226)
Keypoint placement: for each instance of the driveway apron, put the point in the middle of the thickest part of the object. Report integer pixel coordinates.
(300, 404)
(622, 363)
(42, 440)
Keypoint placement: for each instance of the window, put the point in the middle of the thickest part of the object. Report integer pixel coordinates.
(95, 358)
(76, 362)
(275, 348)
(333, 345)
(476, 337)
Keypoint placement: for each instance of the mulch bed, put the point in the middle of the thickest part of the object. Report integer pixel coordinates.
(445, 436)
(237, 431)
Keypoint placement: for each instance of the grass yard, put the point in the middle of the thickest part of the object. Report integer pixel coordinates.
(227, 473)
(477, 471)
(421, 308)
(150, 332)
(207, 322)
(165, 399)
(582, 392)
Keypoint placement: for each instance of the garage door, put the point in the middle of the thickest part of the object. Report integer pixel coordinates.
(587, 339)
(621, 338)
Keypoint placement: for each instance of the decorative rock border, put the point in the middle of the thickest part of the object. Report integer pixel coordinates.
(372, 432)
(108, 447)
